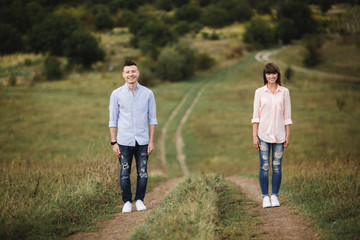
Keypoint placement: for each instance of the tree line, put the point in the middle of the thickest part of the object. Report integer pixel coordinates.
(63, 27)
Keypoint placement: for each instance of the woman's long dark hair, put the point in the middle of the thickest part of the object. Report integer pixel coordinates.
(272, 68)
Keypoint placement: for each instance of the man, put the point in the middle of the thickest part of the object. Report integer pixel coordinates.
(132, 110)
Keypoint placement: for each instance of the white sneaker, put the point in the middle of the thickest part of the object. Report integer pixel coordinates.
(140, 205)
(127, 207)
(266, 202)
(274, 201)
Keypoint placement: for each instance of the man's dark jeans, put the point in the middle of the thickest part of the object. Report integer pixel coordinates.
(126, 157)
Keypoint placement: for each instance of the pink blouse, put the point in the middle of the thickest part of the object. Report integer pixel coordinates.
(272, 112)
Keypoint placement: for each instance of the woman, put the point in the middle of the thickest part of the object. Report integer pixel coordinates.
(271, 130)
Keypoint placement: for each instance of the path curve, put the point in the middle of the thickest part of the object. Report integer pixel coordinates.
(264, 56)
(164, 130)
(121, 226)
(276, 223)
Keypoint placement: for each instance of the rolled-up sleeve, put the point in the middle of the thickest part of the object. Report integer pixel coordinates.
(152, 110)
(256, 113)
(287, 108)
(113, 111)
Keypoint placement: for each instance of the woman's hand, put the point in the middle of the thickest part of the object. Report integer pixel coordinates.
(287, 142)
(256, 142)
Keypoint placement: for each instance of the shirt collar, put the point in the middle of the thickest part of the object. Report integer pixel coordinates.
(137, 86)
(278, 89)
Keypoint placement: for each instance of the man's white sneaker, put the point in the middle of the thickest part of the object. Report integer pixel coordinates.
(274, 201)
(140, 205)
(266, 202)
(127, 207)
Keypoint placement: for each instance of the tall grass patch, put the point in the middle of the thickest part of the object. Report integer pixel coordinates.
(38, 203)
(329, 194)
(51, 204)
(201, 207)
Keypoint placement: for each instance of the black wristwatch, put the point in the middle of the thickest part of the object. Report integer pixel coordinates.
(113, 143)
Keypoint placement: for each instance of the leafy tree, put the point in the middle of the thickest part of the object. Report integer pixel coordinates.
(259, 32)
(150, 33)
(285, 30)
(164, 4)
(16, 15)
(82, 48)
(188, 13)
(103, 21)
(179, 3)
(10, 39)
(50, 34)
(241, 12)
(216, 17)
(301, 16)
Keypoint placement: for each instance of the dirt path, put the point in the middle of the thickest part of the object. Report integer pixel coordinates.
(121, 226)
(264, 56)
(179, 140)
(164, 130)
(277, 223)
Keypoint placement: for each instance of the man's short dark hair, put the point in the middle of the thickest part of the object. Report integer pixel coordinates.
(129, 62)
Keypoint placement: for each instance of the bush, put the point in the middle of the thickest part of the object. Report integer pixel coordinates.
(214, 36)
(82, 48)
(259, 32)
(103, 21)
(182, 27)
(313, 44)
(12, 80)
(288, 74)
(52, 68)
(216, 17)
(176, 63)
(204, 61)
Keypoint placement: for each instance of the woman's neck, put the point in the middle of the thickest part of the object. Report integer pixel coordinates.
(272, 87)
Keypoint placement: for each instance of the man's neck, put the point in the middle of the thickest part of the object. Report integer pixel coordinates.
(132, 86)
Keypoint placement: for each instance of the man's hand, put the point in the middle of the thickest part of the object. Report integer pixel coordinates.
(150, 148)
(116, 150)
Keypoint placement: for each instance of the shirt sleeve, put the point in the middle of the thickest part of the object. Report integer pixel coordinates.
(256, 113)
(287, 108)
(152, 110)
(113, 111)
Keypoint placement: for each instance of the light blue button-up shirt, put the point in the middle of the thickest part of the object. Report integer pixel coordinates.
(132, 114)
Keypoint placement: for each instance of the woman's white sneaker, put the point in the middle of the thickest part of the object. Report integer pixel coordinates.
(127, 207)
(274, 201)
(266, 202)
(140, 205)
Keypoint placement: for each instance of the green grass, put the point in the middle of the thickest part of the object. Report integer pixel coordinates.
(201, 207)
(218, 137)
(336, 58)
(55, 157)
(38, 203)
(329, 196)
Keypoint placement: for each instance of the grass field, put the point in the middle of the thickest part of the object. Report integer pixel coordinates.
(57, 166)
